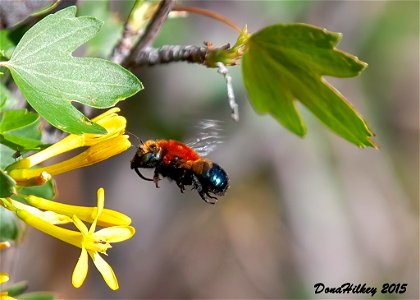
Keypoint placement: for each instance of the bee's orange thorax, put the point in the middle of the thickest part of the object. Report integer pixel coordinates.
(173, 149)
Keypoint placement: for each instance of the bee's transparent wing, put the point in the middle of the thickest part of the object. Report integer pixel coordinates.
(208, 138)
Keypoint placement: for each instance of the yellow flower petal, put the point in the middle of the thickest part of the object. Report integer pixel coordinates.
(26, 177)
(101, 147)
(106, 149)
(81, 270)
(110, 112)
(110, 120)
(4, 277)
(107, 218)
(48, 216)
(116, 234)
(66, 235)
(115, 126)
(80, 225)
(101, 201)
(105, 269)
(92, 155)
(66, 144)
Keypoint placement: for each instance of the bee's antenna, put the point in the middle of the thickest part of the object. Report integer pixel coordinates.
(141, 175)
(133, 135)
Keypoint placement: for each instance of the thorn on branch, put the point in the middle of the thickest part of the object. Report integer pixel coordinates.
(221, 68)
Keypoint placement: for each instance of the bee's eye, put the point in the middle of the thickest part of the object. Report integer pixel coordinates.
(152, 147)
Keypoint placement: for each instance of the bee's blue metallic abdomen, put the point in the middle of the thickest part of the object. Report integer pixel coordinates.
(217, 179)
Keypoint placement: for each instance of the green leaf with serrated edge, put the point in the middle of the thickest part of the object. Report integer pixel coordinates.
(9, 229)
(21, 128)
(7, 185)
(285, 63)
(50, 78)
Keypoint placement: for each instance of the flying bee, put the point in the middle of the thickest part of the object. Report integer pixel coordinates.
(184, 164)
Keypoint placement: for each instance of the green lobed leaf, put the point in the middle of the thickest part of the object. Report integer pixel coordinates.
(285, 63)
(7, 185)
(20, 128)
(50, 78)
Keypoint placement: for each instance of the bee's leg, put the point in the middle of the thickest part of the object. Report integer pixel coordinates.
(181, 180)
(211, 197)
(181, 186)
(156, 178)
(207, 197)
(197, 185)
(202, 192)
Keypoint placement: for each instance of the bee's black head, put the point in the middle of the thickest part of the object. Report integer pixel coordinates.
(148, 155)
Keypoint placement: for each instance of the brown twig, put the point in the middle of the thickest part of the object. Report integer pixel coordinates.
(171, 53)
(152, 30)
(123, 48)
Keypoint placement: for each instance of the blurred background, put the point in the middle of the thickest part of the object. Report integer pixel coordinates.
(298, 212)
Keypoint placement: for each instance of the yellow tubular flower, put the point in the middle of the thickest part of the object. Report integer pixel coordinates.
(48, 216)
(110, 120)
(94, 154)
(66, 235)
(107, 218)
(89, 241)
(100, 148)
(94, 243)
(114, 124)
(4, 277)
(38, 179)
